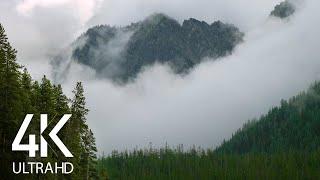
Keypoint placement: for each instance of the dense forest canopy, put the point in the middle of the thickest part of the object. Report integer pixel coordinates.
(173, 163)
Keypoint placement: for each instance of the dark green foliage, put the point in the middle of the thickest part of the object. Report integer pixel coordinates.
(11, 102)
(88, 156)
(295, 125)
(20, 95)
(86, 149)
(158, 39)
(199, 164)
(283, 10)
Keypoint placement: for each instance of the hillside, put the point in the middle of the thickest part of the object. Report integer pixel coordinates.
(120, 53)
(295, 125)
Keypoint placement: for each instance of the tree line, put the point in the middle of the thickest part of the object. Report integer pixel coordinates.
(283, 144)
(21, 95)
(199, 164)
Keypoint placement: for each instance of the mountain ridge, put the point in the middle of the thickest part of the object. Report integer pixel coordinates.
(157, 39)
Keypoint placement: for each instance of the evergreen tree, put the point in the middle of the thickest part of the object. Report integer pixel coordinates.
(20, 95)
(87, 148)
(89, 155)
(10, 98)
(62, 108)
(26, 85)
(78, 111)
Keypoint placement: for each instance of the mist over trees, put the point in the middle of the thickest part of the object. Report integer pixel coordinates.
(20, 95)
(295, 125)
(283, 144)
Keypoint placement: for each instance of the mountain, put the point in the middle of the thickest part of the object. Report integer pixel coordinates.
(283, 10)
(294, 125)
(120, 53)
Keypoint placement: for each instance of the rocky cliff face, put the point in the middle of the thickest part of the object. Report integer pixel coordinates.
(121, 53)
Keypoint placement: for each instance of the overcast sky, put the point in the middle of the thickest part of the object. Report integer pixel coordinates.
(278, 59)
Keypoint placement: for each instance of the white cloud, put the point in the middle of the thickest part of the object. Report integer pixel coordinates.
(277, 60)
(84, 9)
(245, 14)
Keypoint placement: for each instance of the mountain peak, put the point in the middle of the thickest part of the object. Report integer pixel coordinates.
(121, 53)
(157, 18)
(192, 23)
(283, 10)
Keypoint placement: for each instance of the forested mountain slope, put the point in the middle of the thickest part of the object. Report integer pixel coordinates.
(294, 125)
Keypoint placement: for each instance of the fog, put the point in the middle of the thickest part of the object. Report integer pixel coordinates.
(277, 60)
(244, 14)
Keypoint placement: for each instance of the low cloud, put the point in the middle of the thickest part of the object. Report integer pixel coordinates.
(245, 14)
(84, 8)
(277, 60)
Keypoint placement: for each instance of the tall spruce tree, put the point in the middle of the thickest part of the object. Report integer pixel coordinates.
(26, 85)
(62, 108)
(10, 100)
(78, 111)
(89, 157)
(87, 148)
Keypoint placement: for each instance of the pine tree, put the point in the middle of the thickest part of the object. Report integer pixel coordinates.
(10, 100)
(26, 86)
(89, 155)
(78, 111)
(9, 87)
(47, 99)
(62, 108)
(3, 106)
(87, 148)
